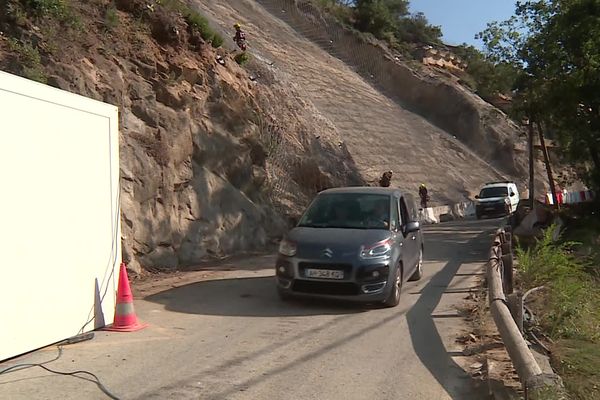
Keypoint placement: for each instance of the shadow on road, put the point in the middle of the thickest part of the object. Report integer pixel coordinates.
(447, 241)
(248, 262)
(244, 297)
(427, 342)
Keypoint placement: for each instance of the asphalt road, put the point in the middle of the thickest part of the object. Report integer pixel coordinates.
(232, 338)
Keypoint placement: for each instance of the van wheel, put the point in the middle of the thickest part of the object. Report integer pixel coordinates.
(418, 274)
(394, 297)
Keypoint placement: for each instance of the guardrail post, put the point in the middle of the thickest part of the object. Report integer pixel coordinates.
(507, 264)
(515, 306)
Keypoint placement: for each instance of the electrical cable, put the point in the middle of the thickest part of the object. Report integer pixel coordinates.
(96, 380)
(76, 374)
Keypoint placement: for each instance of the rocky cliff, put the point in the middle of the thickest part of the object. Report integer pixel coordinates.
(212, 158)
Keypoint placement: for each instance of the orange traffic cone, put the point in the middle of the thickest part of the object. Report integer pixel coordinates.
(125, 318)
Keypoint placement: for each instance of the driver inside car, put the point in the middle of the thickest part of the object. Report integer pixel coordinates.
(379, 217)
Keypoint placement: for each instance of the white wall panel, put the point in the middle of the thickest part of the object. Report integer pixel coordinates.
(59, 213)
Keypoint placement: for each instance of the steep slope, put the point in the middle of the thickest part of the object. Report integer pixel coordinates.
(210, 160)
(423, 127)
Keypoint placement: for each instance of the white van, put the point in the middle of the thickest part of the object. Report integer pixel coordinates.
(497, 199)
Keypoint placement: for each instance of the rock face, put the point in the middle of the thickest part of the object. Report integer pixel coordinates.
(211, 161)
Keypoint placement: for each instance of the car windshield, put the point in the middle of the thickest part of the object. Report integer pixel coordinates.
(499, 191)
(349, 211)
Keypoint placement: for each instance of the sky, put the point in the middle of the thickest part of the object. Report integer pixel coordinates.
(462, 19)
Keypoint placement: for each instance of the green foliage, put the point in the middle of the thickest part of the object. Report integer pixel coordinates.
(340, 9)
(29, 59)
(57, 9)
(379, 16)
(578, 363)
(242, 58)
(416, 29)
(489, 78)
(572, 304)
(217, 41)
(556, 43)
(388, 20)
(570, 310)
(15, 11)
(111, 18)
(195, 21)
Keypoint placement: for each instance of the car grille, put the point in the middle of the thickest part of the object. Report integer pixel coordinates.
(330, 288)
(492, 206)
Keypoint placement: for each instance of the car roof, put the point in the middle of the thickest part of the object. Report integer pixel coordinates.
(491, 185)
(363, 190)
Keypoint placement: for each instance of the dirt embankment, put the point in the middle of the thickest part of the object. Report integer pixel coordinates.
(211, 160)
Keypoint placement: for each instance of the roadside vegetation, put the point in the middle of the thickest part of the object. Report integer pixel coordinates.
(194, 19)
(388, 20)
(242, 58)
(28, 56)
(568, 310)
(406, 32)
(34, 31)
(555, 47)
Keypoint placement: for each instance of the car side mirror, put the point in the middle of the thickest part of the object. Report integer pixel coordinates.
(411, 227)
(476, 196)
(293, 221)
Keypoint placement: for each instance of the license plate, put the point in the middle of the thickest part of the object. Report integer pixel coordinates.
(324, 274)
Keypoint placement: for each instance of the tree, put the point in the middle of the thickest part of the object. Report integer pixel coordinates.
(556, 43)
(415, 28)
(379, 17)
(490, 78)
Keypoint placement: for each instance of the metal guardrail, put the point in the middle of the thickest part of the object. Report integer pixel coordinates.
(536, 384)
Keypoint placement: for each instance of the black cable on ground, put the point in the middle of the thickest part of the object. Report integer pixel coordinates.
(72, 340)
(94, 379)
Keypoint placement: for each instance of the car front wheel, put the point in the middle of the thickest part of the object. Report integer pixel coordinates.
(394, 297)
(418, 274)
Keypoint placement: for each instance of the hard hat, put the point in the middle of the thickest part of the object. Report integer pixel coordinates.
(237, 25)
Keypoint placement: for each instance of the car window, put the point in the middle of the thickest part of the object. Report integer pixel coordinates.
(498, 191)
(348, 210)
(395, 218)
(404, 212)
(413, 213)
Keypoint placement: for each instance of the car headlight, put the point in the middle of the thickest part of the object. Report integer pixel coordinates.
(377, 250)
(287, 248)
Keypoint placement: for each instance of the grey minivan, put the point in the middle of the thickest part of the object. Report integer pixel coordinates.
(354, 243)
